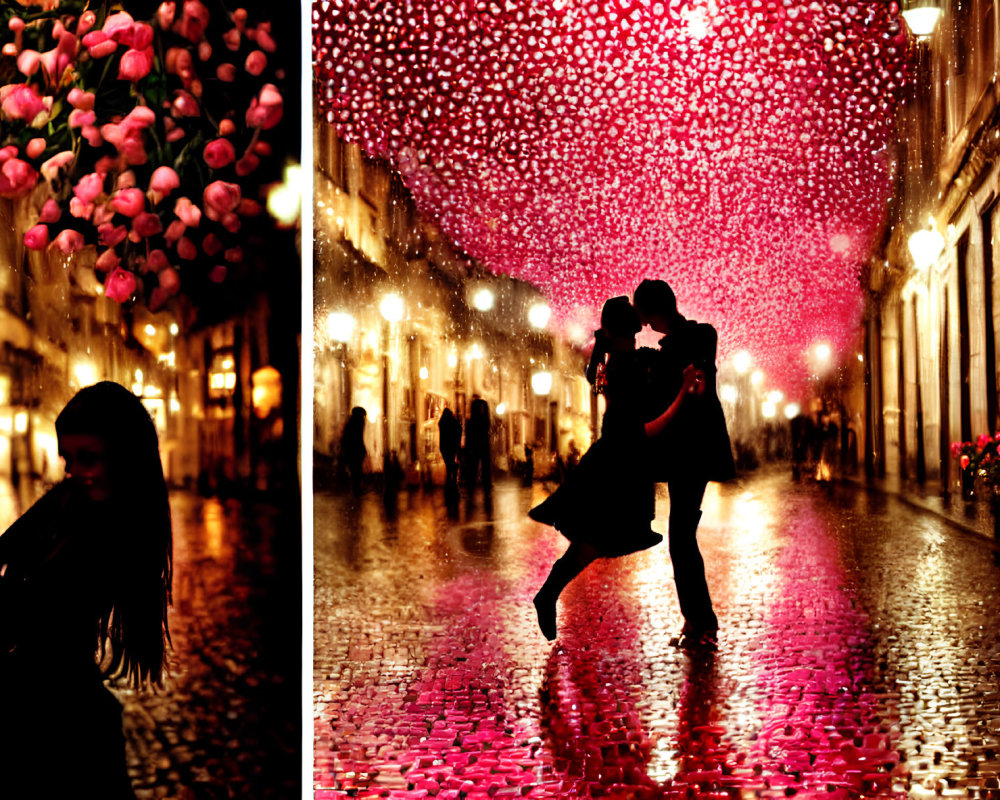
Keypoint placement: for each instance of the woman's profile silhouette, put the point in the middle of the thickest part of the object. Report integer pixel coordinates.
(84, 587)
(606, 505)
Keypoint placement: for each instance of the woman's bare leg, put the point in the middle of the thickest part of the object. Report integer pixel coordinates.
(576, 558)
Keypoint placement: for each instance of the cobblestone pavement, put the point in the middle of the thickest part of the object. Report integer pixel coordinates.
(859, 654)
(226, 723)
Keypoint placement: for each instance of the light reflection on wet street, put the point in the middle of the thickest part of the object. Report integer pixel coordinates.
(859, 654)
(226, 723)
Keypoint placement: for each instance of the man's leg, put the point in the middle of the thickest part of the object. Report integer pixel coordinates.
(689, 567)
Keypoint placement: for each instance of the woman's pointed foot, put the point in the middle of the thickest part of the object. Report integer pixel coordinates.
(546, 610)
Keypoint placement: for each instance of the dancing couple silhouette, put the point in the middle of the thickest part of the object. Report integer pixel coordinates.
(663, 423)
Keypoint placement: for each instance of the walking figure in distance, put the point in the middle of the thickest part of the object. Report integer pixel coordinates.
(689, 453)
(84, 586)
(606, 504)
(352, 447)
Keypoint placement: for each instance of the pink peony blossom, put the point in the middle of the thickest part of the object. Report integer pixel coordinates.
(129, 202)
(120, 27)
(194, 19)
(103, 213)
(92, 134)
(232, 38)
(212, 245)
(231, 222)
(81, 99)
(28, 62)
(219, 153)
(169, 280)
(263, 37)
(119, 285)
(17, 178)
(135, 64)
(185, 105)
(220, 198)
(186, 249)
(175, 230)
(89, 187)
(157, 260)
(79, 117)
(80, 209)
(21, 101)
(99, 44)
(217, 274)
(125, 180)
(142, 36)
(165, 14)
(59, 58)
(178, 62)
(50, 211)
(107, 260)
(247, 164)
(145, 225)
(37, 237)
(226, 72)
(87, 21)
(187, 212)
(109, 235)
(138, 118)
(266, 109)
(68, 241)
(35, 147)
(162, 182)
(255, 63)
(204, 50)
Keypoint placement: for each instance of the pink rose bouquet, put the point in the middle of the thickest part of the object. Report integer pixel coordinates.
(146, 139)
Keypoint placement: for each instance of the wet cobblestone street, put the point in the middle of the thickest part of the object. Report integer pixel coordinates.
(859, 654)
(226, 723)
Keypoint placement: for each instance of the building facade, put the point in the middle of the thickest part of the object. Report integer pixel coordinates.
(407, 324)
(930, 336)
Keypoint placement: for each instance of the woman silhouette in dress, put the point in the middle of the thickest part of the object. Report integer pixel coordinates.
(606, 505)
(84, 587)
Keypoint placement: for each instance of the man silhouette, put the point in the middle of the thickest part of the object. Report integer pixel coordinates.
(689, 453)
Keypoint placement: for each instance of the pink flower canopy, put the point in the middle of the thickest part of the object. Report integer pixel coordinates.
(740, 150)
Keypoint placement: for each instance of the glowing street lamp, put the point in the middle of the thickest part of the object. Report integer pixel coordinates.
(792, 410)
(539, 314)
(823, 353)
(742, 361)
(921, 20)
(925, 246)
(768, 410)
(340, 326)
(541, 382)
(483, 299)
(391, 308)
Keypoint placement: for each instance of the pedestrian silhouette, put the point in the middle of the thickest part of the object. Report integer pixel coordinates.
(477, 445)
(352, 447)
(85, 579)
(606, 505)
(692, 451)
(449, 440)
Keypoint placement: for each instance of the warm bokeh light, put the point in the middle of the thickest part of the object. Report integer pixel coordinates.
(539, 315)
(391, 308)
(340, 326)
(483, 299)
(742, 361)
(541, 382)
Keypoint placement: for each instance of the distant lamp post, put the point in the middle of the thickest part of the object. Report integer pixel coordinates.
(768, 410)
(284, 199)
(222, 376)
(756, 378)
(85, 374)
(266, 392)
(541, 383)
(792, 410)
(340, 326)
(539, 315)
(742, 361)
(921, 18)
(925, 246)
(483, 299)
(501, 409)
(391, 308)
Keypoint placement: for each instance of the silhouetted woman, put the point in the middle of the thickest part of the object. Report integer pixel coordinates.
(606, 505)
(84, 587)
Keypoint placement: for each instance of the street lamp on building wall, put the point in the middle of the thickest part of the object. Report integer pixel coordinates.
(921, 17)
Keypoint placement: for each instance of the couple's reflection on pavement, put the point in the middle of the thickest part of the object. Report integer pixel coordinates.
(593, 702)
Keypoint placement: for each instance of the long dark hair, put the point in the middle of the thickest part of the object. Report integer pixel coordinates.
(133, 629)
